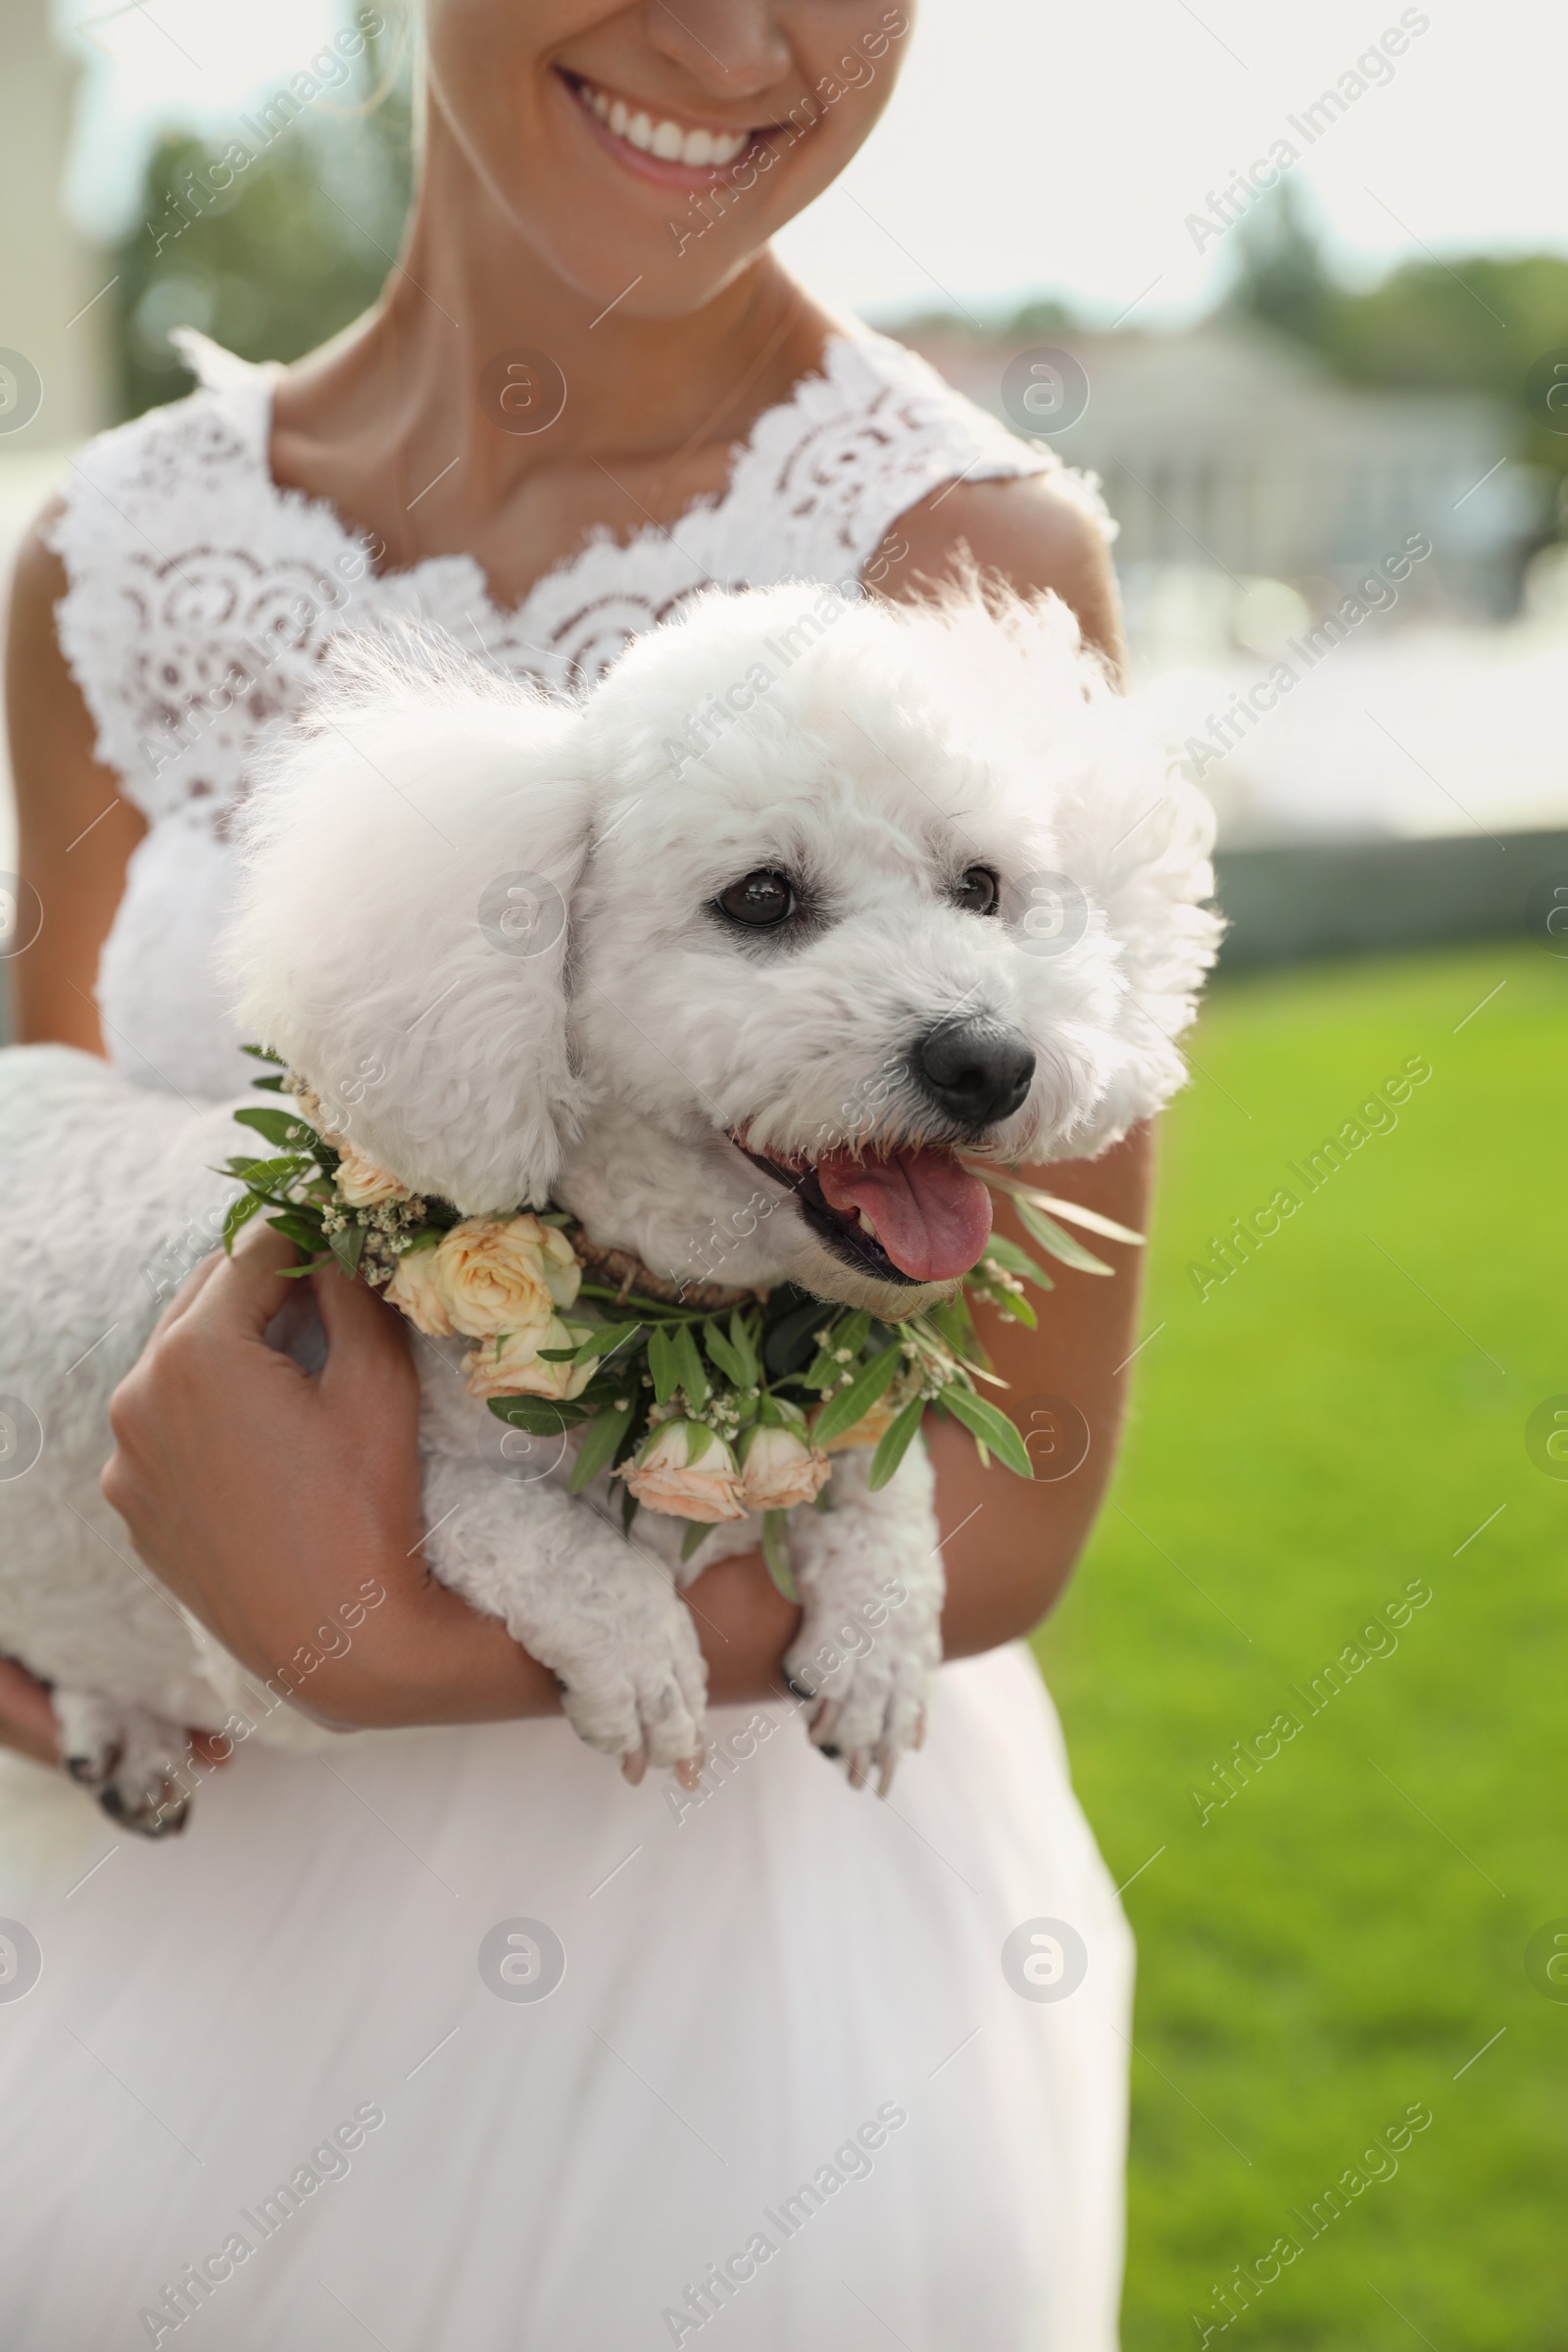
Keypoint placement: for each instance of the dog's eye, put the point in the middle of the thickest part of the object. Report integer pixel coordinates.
(759, 900)
(978, 891)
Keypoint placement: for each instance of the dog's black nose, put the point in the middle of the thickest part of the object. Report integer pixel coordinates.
(976, 1071)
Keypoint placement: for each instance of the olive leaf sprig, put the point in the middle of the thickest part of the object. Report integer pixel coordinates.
(835, 1376)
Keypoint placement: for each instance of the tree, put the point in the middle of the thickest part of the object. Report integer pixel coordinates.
(272, 238)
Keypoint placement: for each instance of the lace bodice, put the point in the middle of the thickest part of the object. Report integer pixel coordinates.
(202, 595)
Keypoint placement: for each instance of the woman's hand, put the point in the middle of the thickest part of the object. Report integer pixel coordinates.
(284, 1507)
(26, 1718)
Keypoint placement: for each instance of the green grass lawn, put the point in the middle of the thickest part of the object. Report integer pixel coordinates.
(1329, 1425)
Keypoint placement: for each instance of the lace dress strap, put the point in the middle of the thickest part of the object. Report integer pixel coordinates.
(858, 445)
(202, 595)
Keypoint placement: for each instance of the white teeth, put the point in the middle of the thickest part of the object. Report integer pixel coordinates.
(667, 139)
(867, 1225)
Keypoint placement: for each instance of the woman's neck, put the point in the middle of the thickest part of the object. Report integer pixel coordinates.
(394, 423)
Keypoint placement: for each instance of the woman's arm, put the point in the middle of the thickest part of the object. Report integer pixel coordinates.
(75, 830)
(208, 1421)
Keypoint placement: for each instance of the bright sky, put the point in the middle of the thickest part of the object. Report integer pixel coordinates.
(1035, 146)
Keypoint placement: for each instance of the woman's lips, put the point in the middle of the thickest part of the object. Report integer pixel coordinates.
(674, 153)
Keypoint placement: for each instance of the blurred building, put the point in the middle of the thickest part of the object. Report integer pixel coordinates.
(1234, 451)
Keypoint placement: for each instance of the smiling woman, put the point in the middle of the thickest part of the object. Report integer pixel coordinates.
(588, 395)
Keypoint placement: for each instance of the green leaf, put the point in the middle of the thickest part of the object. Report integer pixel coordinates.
(697, 1530)
(853, 1334)
(347, 1246)
(846, 1406)
(604, 1342)
(428, 1237)
(983, 1420)
(776, 1553)
(599, 1441)
(263, 1054)
(239, 1212)
(1090, 1218)
(1013, 1260)
(271, 1173)
(952, 1320)
(270, 1086)
(789, 1342)
(895, 1443)
(629, 1507)
(693, 1379)
(296, 1273)
(740, 1338)
(661, 1364)
(1055, 1239)
(540, 1416)
(285, 1128)
(306, 1231)
(728, 1358)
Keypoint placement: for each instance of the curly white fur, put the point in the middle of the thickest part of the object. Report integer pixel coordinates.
(870, 753)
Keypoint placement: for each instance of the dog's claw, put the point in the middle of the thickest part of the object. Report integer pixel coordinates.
(689, 1770)
(860, 1768)
(887, 1760)
(633, 1765)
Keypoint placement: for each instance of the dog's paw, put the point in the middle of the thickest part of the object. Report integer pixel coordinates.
(637, 1688)
(131, 1761)
(871, 1701)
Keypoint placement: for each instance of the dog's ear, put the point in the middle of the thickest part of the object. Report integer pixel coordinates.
(410, 853)
(1128, 836)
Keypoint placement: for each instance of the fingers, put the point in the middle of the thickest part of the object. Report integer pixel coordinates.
(236, 1298)
(366, 1338)
(26, 1718)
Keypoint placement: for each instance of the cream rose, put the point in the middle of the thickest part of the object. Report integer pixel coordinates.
(414, 1289)
(512, 1366)
(505, 1274)
(781, 1470)
(362, 1184)
(688, 1472)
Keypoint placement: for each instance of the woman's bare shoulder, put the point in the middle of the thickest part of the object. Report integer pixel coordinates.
(1033, 533)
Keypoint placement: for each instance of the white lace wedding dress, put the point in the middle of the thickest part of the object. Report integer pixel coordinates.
(784, 2089)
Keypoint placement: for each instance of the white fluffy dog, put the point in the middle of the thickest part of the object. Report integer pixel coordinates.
(730, 960)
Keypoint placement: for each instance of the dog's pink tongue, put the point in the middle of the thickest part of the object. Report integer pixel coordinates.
(932, 1217)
